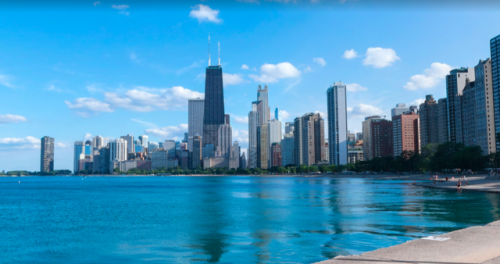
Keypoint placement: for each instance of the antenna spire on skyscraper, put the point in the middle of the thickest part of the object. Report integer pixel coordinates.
(209, 50)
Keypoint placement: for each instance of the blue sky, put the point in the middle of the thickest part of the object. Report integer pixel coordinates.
(113, 68)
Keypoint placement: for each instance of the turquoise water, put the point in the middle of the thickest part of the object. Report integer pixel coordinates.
(221, 219)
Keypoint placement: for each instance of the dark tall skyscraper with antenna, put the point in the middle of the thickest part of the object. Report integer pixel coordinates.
(214, 104)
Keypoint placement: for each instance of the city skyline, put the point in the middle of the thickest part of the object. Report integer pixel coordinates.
(142, 98)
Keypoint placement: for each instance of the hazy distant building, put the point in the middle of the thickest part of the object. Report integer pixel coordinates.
(494, 89)
(105, 160)
(234, 156)
(159, 159)
(337, 123)
(359, 136)
(289, 127)
(130, 143)
(275, 155)
(152, 146)
(196, 108)
(47, 154)
(277, 114)
(399, 109)
(287, 150)
(243, 161)
(118, 150)
(213, 115)
(144, 141)
(381, 138)
(97, 142)
(429, 125)
(262, 147)
(351, 139)
(406, 133)
(455, 84)
(367, 137)
(77, 151)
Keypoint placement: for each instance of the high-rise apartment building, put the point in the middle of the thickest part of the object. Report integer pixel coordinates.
(196, 155)
(104, 160)
(455, 84)
(262, 147)
(443, 135)
(429, 126)
(276, 155)
(495, 73)
(297, 150)
(253, 124)
(381, 138)
(337, 123)
(263, 96)
(313, 139)
(130, 143)
(406, 133)
(118, 150)
(367, 137)
(79, 149)
(399, 109)
(213, 115)
(47, 154)
(485, 116)
(287, 150)
(196, 108)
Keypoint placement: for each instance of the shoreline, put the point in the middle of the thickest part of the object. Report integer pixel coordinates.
(477, 244)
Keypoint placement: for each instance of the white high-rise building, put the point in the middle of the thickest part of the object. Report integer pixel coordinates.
(337, 123)
(118, 150)
(130, 143)
(274, 135)
(196, 108)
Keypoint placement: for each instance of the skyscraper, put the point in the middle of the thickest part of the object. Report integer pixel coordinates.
(253, 123)
(495, 72)
(443, 135)
(399, 109)
(429, 132)
(484, 105)
(213, 115)
(455, 84)
(130, 143)
(406, 133)
(313, 139)
(297, 148)
(275, 155)
(225, 136)
(97, 142)
(78, 149)
(263, 96)
(275, 134)
(287, 149)
(262, 147)
(337, 123)
(118, 150)
(382, 138)
(47, 154)
(367, 137)
(277, 114)
(196, 156)
(196, 107)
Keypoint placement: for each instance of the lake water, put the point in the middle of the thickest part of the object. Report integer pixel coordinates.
(221, 219)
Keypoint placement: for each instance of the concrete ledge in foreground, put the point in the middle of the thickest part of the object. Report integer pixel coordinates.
(479, 244)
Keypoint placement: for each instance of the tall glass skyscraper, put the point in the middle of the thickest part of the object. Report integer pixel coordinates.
(213, 115)
(337, 123)
(47, 154)
(495, 72)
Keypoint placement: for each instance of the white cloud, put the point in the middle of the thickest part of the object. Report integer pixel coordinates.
(270, 73)
(192, 66)
(5, 80)
(284, 114)
(97, 3)
(5, 119)
(417, 102)
(244, 67)
(240, 119)
(363, 110)
(241, 136)
(232, 79)
(432, 76)
(60, 145)
(148, 124)
(120, 7)
(89, 104)
(168, 132)
(307, 69)
(380, 57)
(140, 99)
(354, 87)
(205, 14)
(350, 54)
(320, 61)
(87, 136)
(28, 142)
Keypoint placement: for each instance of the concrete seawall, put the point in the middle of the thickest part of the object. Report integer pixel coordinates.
(476, 184)
(474, 245)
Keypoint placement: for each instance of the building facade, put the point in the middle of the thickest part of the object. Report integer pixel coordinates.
(47, 154)
(275, 135)
(287, 150)
(484, 107)
(455, 84)
(213, 115)
(262, 147)
(263, 96)
(382, 138)
(429, 126)
(443, 135)
(225, 138)
(313, 139)
(276, 155)
(399, 109)
(337, 123)
(367, 137)
(196, 108)
(253, 124)
(495, 73)
(77, 151)
(130, 143)
(196, 155)
(406, 133)
(297, 150)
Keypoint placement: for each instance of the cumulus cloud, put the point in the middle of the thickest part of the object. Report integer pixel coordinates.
(28, 142)
(430, 78)
(380, 57)
(60, 145)
(89, 104)
(244, 67)
(270, 73)
(205, 14)
(5, 119)
(350, 54)
(168, 132)
(354, 87)
(240, 119)
(417, 102)
(232, 79)
(122, 9)
(241, 136)
(363, 110)
(320, 61)
(284, 114)
(87, 136)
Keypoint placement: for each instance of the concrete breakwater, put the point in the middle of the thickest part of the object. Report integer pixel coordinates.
(479, 244)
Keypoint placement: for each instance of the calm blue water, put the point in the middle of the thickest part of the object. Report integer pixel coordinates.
(221, 219)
